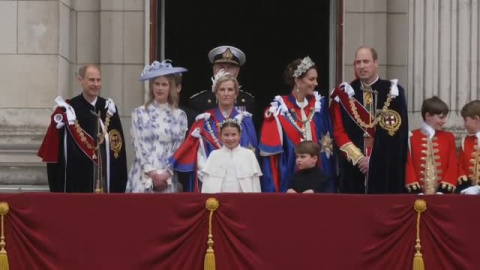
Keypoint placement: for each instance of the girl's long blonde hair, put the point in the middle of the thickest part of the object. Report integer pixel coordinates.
(174, 80)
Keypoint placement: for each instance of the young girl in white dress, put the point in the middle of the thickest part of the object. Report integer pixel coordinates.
(231, 168)
(158, 129)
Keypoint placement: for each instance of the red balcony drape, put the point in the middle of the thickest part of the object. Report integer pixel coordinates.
(250, 231)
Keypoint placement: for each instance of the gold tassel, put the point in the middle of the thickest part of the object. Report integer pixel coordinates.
(209, 263)
(418, 264)
(3, 252)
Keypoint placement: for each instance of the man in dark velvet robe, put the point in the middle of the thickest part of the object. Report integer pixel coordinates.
(370, 129)
(82, 153)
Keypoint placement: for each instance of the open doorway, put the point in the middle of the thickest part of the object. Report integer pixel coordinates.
(271, 34)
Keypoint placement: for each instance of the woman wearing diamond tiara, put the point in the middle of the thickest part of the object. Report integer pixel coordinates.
(204, 135)
(302, 115)
(158, 129)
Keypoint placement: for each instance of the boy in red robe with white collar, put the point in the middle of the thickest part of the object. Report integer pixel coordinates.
(432, 159)
(469, 159)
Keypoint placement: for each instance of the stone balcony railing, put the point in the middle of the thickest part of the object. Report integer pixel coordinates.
(20, 168)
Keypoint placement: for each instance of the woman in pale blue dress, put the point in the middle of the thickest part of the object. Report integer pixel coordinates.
(158, 129)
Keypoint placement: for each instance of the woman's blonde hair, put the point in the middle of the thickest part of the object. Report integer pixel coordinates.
(174, 80)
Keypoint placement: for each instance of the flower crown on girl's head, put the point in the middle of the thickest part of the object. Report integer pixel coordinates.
(303, 67)
(231, 120)
(221, 73)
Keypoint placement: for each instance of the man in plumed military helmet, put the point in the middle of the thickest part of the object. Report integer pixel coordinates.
(230, 59)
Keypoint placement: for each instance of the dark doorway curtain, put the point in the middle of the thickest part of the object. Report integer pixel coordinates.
(271, 34)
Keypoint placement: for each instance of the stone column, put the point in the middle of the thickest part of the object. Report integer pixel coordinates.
(85, 37)
(397, 42)
(43, 45)
(122, 29)
(35, 53)
(444, 56)
(365, 25)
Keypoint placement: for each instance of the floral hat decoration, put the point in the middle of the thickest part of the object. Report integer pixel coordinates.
(220, 74)
(157, 69)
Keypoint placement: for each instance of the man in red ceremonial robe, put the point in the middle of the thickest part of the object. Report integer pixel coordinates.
(84, 146)
(371, 130)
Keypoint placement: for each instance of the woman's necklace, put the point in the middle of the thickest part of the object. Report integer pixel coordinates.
(305, 122)
(226, 112)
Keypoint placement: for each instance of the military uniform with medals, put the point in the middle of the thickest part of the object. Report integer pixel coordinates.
(371, 120)
(206, 99)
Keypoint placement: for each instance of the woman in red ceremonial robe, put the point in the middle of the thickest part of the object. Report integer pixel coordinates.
(302, 115)
(204, 134)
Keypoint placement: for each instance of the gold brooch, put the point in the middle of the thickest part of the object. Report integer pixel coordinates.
(390, 121)
(116, 142)
(227, 54)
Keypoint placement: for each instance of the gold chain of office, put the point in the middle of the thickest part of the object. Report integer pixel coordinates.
(376, 120)
(304, 122)
(101, 135)
(210, 131)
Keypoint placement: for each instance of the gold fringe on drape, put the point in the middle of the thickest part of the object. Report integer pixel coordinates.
(418, 264)
(209, 263)
(3, 252)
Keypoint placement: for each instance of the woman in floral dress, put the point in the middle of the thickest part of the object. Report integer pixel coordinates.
(158, 129)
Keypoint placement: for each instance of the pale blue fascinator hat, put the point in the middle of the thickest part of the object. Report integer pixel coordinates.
(157, 69)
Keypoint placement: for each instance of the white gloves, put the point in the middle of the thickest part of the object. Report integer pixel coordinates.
(110, 106)
(473, 190)
(70, 112)
(438, 193)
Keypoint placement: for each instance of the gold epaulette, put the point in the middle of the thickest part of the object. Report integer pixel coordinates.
(353, 153)
(246, 93)
(413, 187)
(199, 93)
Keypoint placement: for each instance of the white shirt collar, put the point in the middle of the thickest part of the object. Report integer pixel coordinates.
(428, 129)
(478, 136)
(302, 104)
(374, 81)
(94, 102)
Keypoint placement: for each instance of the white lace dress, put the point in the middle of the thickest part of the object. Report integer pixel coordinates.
(157, 132)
